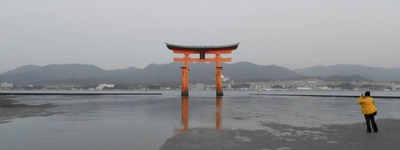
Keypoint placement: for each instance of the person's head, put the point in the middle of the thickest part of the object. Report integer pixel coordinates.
(367, 93)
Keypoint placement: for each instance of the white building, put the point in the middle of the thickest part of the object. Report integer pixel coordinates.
(104, 85)
(199, 86)
(395, 87)
(6, 85)
(303, 88)
(229, 86)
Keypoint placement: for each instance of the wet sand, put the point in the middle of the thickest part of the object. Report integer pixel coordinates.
(11, 109)
(285, 137)
(115, 122)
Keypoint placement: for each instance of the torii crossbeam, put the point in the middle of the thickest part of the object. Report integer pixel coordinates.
(202, 51)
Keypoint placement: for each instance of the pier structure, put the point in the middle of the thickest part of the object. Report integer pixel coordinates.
(202, 51)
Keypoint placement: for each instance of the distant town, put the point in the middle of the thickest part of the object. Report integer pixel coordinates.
(305, 84)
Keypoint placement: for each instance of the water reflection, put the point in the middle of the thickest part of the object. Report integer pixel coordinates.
(185, 113)
(218, 113)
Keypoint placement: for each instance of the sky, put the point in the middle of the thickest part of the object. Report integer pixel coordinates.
(117, 34)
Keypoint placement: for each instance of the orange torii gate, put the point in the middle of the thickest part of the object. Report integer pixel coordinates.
(202, 51)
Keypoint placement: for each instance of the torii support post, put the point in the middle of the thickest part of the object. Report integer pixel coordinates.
(218, 75)
(218, 81)
(185, 81)
(202, 51)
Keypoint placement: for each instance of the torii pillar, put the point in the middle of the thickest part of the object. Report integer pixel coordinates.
(202, 51)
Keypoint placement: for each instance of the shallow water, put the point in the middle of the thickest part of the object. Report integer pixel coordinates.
(146, 122)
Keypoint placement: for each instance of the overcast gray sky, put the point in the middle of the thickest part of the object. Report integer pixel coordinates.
(114, 34)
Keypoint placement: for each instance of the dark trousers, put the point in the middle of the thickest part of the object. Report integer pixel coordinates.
(370, 119)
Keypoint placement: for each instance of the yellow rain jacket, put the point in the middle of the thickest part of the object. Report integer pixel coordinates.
(367, 105)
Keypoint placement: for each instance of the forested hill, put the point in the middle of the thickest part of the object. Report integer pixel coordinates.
(153, 73)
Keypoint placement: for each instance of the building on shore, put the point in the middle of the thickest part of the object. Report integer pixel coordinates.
(104, 85)
(199, 86)
(6, 85)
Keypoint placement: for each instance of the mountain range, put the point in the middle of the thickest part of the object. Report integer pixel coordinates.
(199, 72)
(153, 73)
(371, 73)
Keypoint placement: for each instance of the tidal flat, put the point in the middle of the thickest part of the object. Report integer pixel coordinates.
(168, 121)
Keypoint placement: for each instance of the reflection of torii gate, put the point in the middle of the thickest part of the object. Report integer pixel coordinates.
(202, 51)
(185, 113)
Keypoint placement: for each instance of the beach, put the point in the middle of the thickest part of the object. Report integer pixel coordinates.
(200, 121)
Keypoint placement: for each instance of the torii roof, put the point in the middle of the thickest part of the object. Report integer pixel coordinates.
(202, 48)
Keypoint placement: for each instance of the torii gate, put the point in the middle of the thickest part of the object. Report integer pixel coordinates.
(202, 51)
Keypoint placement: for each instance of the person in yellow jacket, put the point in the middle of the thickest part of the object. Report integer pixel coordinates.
(369, 110)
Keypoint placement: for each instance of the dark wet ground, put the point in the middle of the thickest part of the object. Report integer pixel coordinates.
(236, 121)
(11, 109)
(285, 137)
